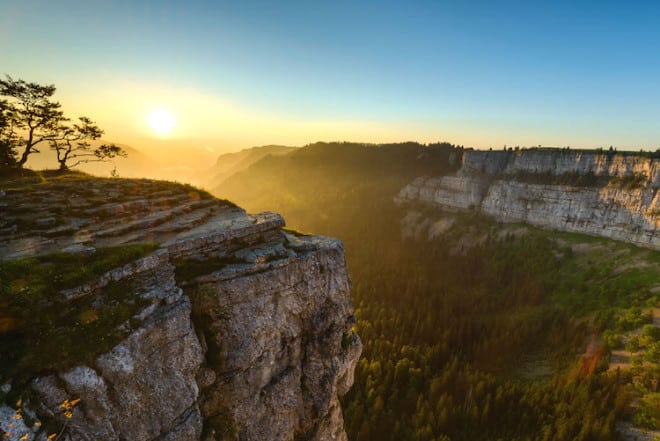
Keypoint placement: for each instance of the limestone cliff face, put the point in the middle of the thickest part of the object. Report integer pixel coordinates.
(244, 330)
(620, 199)
(557, 162)
(291, 342)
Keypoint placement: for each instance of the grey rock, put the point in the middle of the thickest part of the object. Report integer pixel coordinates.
(140, 390)
(80, 249)
(282, 365)
(264, 354)
(46, 221)
(557, 162)
(15, 428)
(249, 351)
(486, 182)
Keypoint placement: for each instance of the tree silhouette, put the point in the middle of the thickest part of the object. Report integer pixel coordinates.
(72, 144)
(7, 150)
(30, 117)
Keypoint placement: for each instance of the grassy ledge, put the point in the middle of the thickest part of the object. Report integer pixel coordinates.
(39, 332)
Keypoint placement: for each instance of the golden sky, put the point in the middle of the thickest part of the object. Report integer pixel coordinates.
(239, 74)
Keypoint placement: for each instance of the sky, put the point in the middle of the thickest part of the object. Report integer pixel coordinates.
(243, 73)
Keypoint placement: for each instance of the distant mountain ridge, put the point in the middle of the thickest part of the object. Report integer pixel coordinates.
(231, 163)
(328, 180)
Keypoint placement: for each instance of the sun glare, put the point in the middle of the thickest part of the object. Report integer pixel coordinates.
(161, 121)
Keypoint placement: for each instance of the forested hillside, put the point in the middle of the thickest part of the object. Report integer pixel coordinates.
(333, 188)
(231, 163)
(484, 332)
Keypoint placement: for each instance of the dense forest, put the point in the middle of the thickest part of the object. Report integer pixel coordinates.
(485, 332)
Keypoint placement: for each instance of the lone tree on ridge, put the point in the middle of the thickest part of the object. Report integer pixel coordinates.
(30, 118)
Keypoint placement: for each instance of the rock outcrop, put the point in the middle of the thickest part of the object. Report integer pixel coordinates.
(606, 194)
(293, 343)
(242, 330)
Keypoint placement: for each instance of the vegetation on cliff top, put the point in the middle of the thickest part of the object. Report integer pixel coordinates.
(589, 179)
(55, 204)
(39, 330)
(26, 181)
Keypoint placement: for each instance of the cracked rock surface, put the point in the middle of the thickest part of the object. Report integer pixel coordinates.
(244, 330)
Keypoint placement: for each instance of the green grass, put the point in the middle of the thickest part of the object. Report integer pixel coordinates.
(39, 331)
(598, 282)
(16, 178)
(587, 277)
(36, 278)
(63, 335)
(606, 278)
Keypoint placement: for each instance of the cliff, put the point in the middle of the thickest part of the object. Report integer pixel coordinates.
(225, 327)
(606, 194)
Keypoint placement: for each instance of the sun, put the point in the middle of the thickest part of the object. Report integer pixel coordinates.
(161, 121)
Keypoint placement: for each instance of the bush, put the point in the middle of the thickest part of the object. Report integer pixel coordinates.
(612, 339)
(648, 413)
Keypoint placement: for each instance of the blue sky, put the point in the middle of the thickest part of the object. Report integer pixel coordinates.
(479, 73)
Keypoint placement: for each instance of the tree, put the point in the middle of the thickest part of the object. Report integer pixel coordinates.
(30, 117)
(72, 144)
(7, 149)
(7, 155)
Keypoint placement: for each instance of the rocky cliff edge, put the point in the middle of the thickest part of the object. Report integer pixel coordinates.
(232, 329)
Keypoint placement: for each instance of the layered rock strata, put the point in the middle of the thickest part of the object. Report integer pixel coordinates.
(561, 161)
(255, 343)
(602, 194)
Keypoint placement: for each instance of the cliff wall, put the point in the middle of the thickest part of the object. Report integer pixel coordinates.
(240, 329)
(558, 162)
(610, 195)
